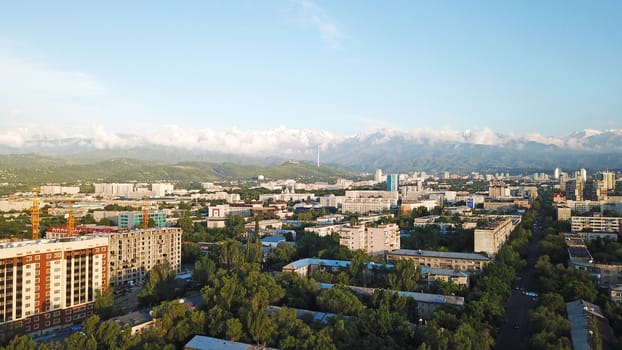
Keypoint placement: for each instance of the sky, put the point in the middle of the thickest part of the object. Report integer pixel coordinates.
(343, 67)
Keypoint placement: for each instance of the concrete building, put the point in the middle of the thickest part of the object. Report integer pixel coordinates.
(392, 182)
(46, 284)
(442, 260)
(324, 230)
(114, 189)
(595, 223)
(563, 213)
(162, 189)
(490, 237)
(574, 190)
(224, 210)
(609, 178)
(58, 189)
(133, 253)
(201, 342)
(372, 240)
(426, 303)
(586, 320)
(498, 189)
(131, 220)
(369, 201)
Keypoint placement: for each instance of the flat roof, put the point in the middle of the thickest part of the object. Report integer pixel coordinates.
(439, 254)
(419, 297)
(134, 318)
(331, 263)
(201, 342)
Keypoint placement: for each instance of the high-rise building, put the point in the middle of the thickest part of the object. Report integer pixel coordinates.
(574, 190)
(378, 175)
(608, 178)
(557, 173)
(133, 253)
(392, 182)
(45, 284)
(583, 174)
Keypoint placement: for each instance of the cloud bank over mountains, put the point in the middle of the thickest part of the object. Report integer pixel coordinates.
(288, 142)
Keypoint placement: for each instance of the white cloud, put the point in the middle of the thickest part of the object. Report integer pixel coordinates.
(316, 17)
(282, 141)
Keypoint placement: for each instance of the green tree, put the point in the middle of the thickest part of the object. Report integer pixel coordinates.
(160, 285)
(340, 300)
(104, 304)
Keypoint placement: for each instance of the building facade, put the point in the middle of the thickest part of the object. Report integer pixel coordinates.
(440, 260)
(130, 220)
(595, 223)
(392, 182)
(364, 202)
(46, 284)
(372, 240)
(493, 235)
(134, 253)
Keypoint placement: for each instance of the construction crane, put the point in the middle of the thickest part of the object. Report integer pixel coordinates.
(145, 213)
(70, 221)
(71, 224)
(34, 217)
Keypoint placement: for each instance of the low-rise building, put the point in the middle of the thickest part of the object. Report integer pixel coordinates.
(595, 223)
(472, 262)
(587, 320)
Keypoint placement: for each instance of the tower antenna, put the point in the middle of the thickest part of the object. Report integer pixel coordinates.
(318, 155)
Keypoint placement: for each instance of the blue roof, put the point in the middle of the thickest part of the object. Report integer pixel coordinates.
(273, 239)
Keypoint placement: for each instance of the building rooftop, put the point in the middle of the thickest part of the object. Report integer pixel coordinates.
(200, 342)
(30, 242)
(582, 315)
(134, 318)
(439, 254)
(295, 265)
(419, 297)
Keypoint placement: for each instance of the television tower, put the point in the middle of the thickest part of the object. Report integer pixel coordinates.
(318, 155)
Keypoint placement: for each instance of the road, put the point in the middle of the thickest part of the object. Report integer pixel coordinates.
(515, 333)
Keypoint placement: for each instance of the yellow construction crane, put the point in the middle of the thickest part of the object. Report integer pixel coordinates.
(70, 219)
(145, 213)
(34, 217)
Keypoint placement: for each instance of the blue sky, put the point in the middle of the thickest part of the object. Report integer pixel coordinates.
(549, 67)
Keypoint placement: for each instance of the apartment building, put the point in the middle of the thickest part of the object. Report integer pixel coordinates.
(130, 220)
(133, 253)
(491, 236)
(48, 283)
(369, 201)
(440, 260)
(595, 223)
(372, 240)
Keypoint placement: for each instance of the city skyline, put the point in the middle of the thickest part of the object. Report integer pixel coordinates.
(346, 68)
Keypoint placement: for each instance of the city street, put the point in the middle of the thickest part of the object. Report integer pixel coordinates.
(515, 333)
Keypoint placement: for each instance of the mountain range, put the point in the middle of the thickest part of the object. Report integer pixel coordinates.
(390, 150)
